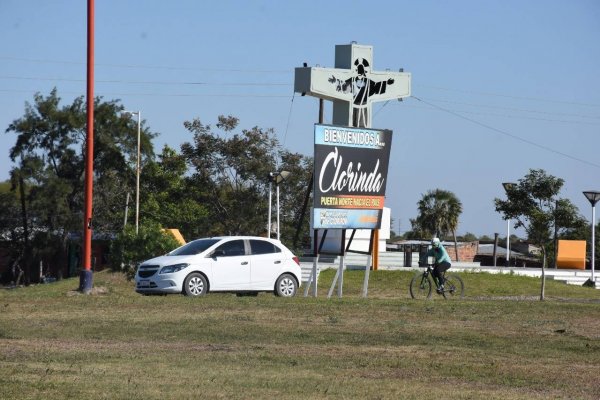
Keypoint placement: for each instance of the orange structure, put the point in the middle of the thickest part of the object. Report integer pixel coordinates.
(178, 236)
(571, 254)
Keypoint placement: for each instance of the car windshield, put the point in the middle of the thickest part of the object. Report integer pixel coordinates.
(195, 247)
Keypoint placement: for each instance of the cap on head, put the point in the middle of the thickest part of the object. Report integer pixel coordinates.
(435, 242)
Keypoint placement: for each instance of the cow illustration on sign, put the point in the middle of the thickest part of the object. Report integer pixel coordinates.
(361, 87)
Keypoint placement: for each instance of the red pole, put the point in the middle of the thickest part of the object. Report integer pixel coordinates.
(85, 279)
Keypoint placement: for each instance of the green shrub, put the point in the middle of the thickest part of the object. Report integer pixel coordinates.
(129, 249)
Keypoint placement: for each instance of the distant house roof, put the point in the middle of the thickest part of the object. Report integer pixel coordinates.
(422, 242)
(488, 250)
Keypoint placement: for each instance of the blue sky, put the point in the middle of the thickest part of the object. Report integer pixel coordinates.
(504, 86)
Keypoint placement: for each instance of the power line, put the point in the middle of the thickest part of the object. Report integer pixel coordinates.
(161, 67)
(509, 96)
(261, 84)
(287, 126)
(518, 117)
(508, 134)
(145, 82)
(382, 107)
(100, 93)
(515, 109)
(283, 71)
(266, 96)
(246, 95)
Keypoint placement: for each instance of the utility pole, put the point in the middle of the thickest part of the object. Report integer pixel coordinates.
(85, 277)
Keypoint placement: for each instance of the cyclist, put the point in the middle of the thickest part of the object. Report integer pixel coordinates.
(442, 261)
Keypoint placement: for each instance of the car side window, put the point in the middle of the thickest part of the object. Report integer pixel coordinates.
(232, 248)
(263, 247)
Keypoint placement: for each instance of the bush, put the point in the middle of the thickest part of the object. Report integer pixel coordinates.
(130, 249)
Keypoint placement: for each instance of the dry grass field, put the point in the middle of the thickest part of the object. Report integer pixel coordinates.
(499, 342)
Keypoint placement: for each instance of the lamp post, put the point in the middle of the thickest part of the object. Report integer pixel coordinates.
(137, 169)
(270, 203)
(277, 178)
(593, 196)
(507, 187)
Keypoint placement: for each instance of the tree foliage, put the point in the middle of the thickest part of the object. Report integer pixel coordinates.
(232, 168)
(534, 205)
(439, 211)
(216, 185)
(129, 248)
(468, 237)
(10, 224)
(48, 177)
(171, 198)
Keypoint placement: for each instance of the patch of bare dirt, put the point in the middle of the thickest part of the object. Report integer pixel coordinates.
(96, 291)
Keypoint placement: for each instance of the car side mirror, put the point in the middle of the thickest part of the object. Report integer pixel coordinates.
(218, 253)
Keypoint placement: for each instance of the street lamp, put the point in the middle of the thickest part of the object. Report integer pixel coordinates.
(507, 187)
(593, 196)
(277, 178)
(137, 169)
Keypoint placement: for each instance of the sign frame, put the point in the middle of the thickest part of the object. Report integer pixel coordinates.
(350, 176)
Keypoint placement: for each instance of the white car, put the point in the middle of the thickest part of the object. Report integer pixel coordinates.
(243, 264)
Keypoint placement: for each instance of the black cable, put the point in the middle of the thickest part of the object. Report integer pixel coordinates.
(144, 66)
(288, 119)
(28, 78)
(509, 96)
(517, 116)
(509, 134)
(515, 109)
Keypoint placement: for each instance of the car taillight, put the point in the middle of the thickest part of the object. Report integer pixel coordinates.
(296, 259)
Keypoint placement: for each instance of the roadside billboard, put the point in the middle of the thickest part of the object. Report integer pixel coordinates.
(350, 177)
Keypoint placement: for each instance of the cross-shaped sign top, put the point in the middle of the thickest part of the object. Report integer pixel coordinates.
(352, 85)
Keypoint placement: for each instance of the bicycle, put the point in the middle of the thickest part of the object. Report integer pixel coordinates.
(421, 285)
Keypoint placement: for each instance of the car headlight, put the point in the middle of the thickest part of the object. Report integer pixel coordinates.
(169, 269)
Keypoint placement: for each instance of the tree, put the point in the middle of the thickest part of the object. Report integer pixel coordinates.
(232, 170)
(439, 211)
(171, 198)
(232, 173)
(468, 237)
(49, 153)
(10, 222)
(293, 193)
(534, 204)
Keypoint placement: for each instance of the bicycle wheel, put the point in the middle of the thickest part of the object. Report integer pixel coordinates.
(454, 288)
(420, 286)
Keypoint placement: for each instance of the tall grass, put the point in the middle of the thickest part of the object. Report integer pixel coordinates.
(499, 342)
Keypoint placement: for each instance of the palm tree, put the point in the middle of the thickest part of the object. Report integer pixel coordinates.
(438, 214)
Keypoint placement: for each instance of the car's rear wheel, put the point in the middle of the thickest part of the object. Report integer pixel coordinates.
(286, 286)
(195, 285)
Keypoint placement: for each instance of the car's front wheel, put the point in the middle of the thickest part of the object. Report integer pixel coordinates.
(286, 286)
(195, 285)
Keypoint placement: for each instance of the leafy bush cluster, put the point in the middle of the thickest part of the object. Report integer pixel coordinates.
(129, 249)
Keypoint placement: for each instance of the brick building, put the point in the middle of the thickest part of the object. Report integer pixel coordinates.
(467, 251)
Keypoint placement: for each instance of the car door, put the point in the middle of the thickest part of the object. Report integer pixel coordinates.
(266, 263)
(231, 266)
